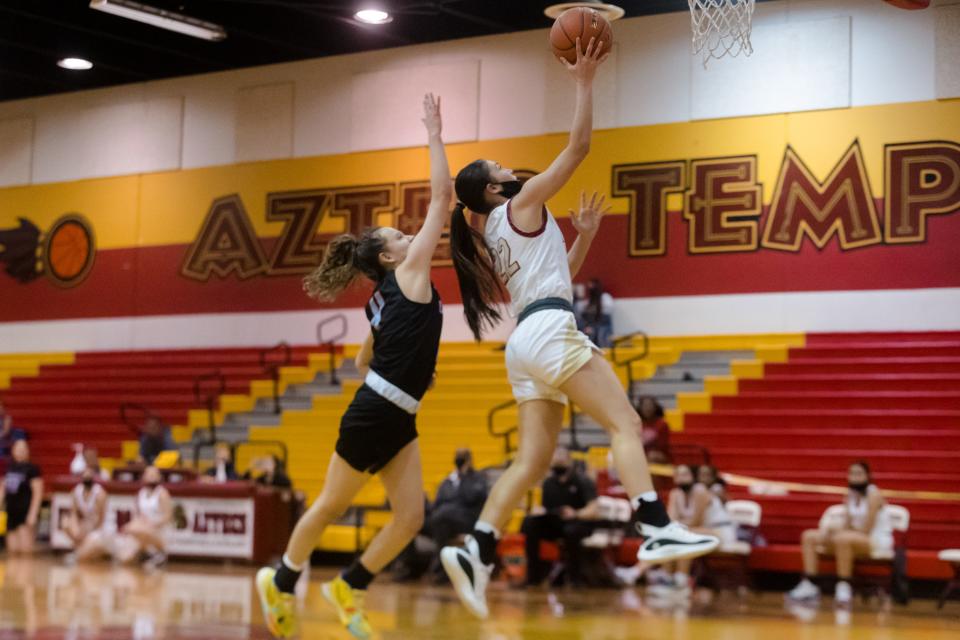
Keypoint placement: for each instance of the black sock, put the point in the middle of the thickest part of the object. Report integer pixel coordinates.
(286, 578)
(652, 512)
(357, 576)
(488, 546)
(811, 578)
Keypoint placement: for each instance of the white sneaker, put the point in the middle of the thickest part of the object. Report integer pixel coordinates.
(468, 574)
(806, 591)
(843, 595)
(673, 542)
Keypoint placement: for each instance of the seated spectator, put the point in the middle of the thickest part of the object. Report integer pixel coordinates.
(709, 477)
(152, 514)
(569, 505)
(865, 528)
(269, 472)
(88, 511)
(695, 506)
(21, 494)
(459, 501)
(655, 432)
(155, 437)
(598, 314)
(8, 433)
(222, 469)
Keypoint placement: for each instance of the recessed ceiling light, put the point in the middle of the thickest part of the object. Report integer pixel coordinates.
(373, 16)
(75, 64)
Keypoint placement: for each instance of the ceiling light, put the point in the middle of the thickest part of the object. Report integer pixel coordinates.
(609, 11)
(373, 16)
(75, 64)
(161, 18)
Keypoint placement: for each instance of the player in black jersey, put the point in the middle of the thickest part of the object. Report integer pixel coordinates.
(378, 432)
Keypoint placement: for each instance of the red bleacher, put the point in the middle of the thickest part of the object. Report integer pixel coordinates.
(892, 399)
(80, 402)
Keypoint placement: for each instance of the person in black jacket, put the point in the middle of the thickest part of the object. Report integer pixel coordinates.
(459, 501)
(569, 507)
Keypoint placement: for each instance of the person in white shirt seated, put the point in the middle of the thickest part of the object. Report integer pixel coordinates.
(223, 469)
(84, 524)
(865, 528)
(153, 513)
(701, 510)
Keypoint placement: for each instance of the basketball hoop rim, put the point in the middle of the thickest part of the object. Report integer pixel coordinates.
(609, 11)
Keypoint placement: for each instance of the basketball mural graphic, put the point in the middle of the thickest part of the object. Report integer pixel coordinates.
(64, 254)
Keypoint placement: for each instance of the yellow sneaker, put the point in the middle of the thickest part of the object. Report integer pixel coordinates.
(279, 608)
(349, 605)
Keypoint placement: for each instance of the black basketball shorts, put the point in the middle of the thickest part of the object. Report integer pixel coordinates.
(373, 430)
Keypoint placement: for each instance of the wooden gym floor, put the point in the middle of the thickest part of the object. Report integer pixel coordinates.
(42, 598)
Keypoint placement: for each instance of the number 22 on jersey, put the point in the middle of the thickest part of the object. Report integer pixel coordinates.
(506, 267)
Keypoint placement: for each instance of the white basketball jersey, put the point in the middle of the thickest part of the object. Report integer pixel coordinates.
(148, 504)
(533, 265)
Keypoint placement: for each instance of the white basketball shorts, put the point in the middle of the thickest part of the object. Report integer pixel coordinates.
(543, 352)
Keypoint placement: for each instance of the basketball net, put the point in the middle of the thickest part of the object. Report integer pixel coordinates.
(721, 27)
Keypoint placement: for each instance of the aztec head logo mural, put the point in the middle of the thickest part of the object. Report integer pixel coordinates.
(64, 253)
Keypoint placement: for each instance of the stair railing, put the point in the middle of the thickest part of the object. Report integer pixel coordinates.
(506, 434)
(627, 363)
(208, 397)
(272, 366)
(331, 341)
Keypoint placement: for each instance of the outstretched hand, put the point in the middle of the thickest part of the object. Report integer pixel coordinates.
(587, 61)
(431, 114)
(587, 221)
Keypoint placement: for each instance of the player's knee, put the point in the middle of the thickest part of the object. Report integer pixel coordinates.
(810, 536)
(629, 424)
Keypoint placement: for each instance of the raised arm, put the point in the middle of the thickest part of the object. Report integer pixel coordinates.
(527, 205)
(420, 252)
(586, 222)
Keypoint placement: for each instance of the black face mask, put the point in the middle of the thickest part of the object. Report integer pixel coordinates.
(685, 487)
(151, 485)
(859, 487)
(459, 461)
(509, 188)
(559, 470)
(88, 482)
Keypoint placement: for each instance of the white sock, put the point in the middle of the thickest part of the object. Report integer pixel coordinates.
(290, 564)
(646, 496)
(486, 527)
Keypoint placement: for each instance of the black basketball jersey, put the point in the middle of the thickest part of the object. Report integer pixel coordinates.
(406, 336)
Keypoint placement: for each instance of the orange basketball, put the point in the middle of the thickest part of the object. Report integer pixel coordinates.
(583, 23)
(69, 250)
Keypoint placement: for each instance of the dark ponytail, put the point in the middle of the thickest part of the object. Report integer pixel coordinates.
(473, 261)
(346, 258)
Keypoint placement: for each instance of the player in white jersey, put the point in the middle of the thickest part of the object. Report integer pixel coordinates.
(84, 524)
(548, 359)
(152, 514)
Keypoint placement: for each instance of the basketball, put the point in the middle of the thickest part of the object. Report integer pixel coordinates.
(583, 23)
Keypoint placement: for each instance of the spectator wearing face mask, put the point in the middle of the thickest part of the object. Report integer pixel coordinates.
(459, 500)
(153, 513)
(864, 529)
(695, 506)
(88, 511)
(568, 513)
